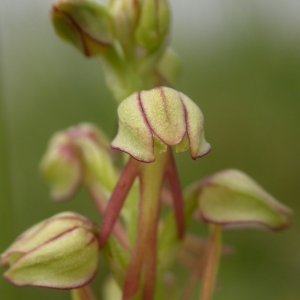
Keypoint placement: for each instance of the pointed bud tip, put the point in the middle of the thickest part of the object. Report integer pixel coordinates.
(153, 25)
(85, 24)
(233, 199)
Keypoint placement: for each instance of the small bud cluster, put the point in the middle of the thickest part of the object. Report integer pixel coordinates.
(130, 36)
(85, 24)
(93, 27)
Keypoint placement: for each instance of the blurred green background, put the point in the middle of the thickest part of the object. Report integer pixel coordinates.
(241, 65)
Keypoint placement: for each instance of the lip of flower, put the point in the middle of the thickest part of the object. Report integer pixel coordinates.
(161, 117)
(60, 253)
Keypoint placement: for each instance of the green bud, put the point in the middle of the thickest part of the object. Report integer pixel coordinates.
(162, 117)
(153, 24)
(233, 199)
(61, 167)
(95, 154)
(60, 253)
(125, 17)
(84, 23)
(78, 153)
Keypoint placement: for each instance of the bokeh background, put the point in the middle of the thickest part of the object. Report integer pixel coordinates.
(241, 63)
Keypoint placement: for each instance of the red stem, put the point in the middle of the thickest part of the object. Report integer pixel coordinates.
(212, 261)
(144, 252)
(196, 274)
(118, 230)
(150, 262)
(178, 204)
(117, 199)
(144, 257)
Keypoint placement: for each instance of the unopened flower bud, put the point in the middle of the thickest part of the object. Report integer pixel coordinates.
(61, 253)
(73, 155)
(161, 117)
(125, 17)
(61, 167)
(153, 23)
(233, 199)
(84, 23)
(95, 154)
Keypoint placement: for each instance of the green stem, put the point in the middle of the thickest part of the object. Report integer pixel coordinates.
(168, 238)
(121, 76)
(145, 249)
(207, 266)
(178, 203)
(83, 293)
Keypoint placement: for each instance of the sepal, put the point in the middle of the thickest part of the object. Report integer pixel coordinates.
(84, 23)
(233, 199)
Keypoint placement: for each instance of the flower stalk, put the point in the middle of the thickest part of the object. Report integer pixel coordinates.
(212, 263)
(101, 204)
(83, 293)
(144, 253)
(206, 266)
